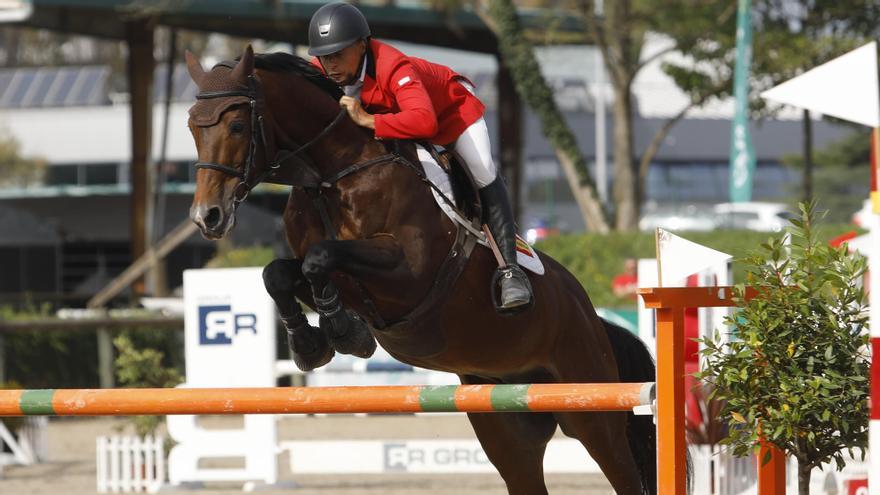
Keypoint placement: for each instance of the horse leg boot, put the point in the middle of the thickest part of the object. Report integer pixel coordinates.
(516, 291)
(284, 281)
(347, 331)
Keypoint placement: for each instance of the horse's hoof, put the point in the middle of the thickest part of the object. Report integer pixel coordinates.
(310, 347)
(350, 334)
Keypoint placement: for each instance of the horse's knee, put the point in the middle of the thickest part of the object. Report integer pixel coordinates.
(317, 261)
(281, 276)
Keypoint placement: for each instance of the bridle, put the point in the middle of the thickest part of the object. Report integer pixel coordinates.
(258, 138)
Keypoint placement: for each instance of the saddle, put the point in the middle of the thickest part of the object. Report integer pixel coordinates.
(457, 194)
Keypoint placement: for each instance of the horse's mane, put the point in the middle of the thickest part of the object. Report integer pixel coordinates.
(286, 62)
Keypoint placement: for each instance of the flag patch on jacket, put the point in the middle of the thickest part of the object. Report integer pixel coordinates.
(403, 80)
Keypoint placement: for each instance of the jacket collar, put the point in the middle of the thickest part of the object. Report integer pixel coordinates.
(368, 92)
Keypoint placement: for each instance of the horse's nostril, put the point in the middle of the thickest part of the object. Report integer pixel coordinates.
(214, 217)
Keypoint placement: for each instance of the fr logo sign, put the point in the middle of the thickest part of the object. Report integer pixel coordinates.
(218, 325)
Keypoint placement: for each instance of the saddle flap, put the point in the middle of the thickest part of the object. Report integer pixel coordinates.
(526, 256)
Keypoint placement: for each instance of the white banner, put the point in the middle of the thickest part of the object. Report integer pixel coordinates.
(845, 87)
(420, 456)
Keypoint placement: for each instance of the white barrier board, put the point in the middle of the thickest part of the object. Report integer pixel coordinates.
(230, 342)
(419, 456)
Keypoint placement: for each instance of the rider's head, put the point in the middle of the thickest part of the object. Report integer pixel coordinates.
(338, 34)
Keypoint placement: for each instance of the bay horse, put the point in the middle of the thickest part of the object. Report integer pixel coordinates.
(380, 261)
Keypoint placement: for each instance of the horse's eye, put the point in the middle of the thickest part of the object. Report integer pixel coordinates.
(236, 127)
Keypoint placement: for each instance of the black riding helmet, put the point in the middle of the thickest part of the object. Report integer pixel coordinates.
(335, 26)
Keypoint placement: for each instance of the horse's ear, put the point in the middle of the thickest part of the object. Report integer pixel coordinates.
(196, 72)
(245, 65)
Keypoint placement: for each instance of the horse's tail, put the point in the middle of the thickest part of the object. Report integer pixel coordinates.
(634, 364)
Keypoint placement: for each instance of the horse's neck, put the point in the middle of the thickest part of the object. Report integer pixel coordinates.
(299, 119)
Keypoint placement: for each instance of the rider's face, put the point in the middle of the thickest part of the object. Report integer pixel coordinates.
(342, 66)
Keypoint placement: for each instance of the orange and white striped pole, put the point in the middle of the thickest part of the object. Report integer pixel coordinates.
(543, 397)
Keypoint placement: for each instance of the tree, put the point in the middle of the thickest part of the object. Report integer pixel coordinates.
(17, 170)
(620, 36)
(795, 371)
(701, 30)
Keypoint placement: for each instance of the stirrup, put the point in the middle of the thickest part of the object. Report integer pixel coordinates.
(510, 271)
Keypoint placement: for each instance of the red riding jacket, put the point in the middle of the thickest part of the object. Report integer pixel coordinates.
(412, 98)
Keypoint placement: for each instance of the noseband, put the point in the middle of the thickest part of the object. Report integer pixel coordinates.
(258, 138)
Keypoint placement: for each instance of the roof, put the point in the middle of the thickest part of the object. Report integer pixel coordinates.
(286, 20)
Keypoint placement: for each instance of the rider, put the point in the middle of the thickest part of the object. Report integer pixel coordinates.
(402, 97)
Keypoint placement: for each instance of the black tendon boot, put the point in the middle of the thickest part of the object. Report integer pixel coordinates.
(347, 331)
(309, 344)
(516, 291)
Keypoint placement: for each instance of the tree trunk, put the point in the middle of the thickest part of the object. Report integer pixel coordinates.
(510, 136)
(626, 187)
(588, 202)
(808, 157)
(804, 471)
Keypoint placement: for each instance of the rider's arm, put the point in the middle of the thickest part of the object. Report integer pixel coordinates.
(416, 118)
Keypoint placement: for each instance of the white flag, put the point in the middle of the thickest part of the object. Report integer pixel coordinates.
(845, 87)
(677, 258)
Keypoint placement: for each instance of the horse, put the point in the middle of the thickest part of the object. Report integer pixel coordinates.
(379, 260)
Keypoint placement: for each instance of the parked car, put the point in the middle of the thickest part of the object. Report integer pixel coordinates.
(759, 216)
(680, 219)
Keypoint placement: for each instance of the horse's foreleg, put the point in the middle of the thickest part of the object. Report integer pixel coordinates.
(284, 281)
(348, 332)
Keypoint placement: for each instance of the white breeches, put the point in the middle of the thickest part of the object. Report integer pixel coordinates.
(474, 148)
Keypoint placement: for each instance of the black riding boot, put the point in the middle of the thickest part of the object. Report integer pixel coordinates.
(516, 291)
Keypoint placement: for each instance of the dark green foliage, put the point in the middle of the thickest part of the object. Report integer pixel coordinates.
(69, 359)
(49, 359)
(796, 368)
(841, 176)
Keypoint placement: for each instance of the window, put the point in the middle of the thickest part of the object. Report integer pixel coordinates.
(708, 182)
(177, 172)
(59, 175)
(101, 174)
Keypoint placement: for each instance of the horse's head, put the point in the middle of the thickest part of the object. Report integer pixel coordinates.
(227, 127)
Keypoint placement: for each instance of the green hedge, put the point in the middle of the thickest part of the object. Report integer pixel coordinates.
(596, 259)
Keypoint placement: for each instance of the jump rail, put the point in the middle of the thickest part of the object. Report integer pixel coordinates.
(551, 397)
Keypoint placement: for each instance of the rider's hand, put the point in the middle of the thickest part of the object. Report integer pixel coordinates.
(357, 112)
